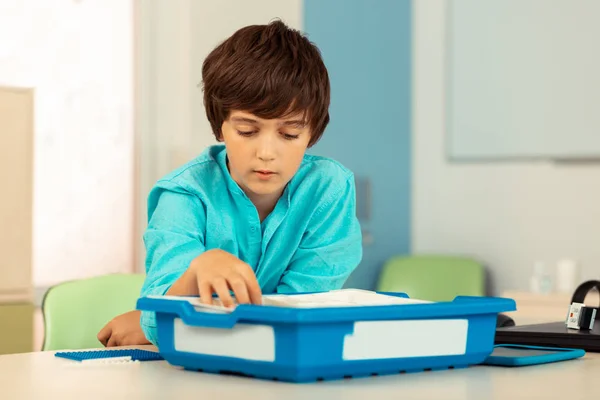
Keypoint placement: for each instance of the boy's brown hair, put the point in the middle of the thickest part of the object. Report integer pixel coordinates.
(271, 71)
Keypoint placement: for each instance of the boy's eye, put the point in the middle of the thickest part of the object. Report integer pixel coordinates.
(289, 137)
(245, 133)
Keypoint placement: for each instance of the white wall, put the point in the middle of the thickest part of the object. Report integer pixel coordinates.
(78, 58)
(506, 214)
(174, 37)
(522, 82)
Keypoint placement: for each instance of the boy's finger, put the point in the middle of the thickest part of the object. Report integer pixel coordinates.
(220, 286)
(205, 292)
(254, 290)
(251, 284)
(238, 285)
(104, 334)
(112, 342)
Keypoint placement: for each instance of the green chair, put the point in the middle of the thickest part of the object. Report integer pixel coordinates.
(74, 312)
(433, 277)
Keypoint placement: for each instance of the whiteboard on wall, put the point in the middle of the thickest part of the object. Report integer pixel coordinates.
(523, 79)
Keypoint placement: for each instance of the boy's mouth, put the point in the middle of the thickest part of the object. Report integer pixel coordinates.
(264, 173)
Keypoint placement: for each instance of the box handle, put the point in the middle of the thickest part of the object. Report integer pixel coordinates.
(194, 317)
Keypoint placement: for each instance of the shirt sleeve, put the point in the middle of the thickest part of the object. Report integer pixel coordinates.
(174, 237)
(331, 247)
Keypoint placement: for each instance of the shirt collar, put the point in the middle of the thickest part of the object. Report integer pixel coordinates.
(222, 161)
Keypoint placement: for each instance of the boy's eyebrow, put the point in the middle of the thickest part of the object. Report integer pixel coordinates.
(297, 123)
(244, 119)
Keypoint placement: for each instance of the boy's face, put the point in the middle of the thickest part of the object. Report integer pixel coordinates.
(264, 154)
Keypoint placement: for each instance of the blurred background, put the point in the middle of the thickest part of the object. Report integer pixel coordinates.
(471, 126)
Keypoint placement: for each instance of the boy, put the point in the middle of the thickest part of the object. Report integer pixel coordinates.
(256, 215)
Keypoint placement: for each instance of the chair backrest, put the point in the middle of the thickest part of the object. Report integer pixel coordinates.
(433, 277)
(74, 312)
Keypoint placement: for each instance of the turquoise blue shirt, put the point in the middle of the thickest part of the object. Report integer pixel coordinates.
(311, 241)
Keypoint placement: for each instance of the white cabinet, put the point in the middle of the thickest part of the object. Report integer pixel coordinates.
(16, 193)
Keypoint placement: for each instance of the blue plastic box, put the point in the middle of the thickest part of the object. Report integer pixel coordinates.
(310, 344)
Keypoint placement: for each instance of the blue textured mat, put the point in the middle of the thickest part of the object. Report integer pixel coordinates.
(135, 354)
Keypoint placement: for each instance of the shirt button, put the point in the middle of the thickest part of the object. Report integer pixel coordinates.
(253, 229)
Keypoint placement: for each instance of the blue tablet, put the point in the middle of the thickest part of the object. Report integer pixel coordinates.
(515, 355)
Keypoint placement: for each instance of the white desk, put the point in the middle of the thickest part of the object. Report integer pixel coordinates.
(43, 376)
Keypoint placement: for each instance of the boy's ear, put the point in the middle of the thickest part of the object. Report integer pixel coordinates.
(219, 132)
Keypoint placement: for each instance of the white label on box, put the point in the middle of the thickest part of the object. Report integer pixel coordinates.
(398, 339)
(251, 342)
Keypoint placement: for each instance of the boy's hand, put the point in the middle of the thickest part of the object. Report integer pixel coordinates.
(123, 330)
(217, 271)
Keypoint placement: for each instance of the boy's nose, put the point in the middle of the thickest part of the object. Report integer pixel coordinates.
(266, 150)
(266, 156)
